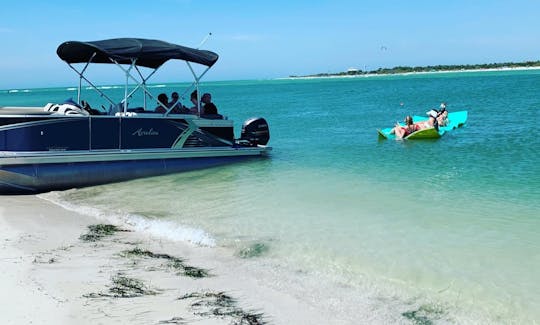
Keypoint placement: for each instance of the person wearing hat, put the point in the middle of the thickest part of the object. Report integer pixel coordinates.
(432, 119)
(442, 117)
(431, 122)
(176, 106)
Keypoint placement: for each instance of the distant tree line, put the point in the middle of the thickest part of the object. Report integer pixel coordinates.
(429, 68)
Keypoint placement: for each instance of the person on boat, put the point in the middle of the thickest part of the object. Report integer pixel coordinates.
(174, 100)
(163, 102)
(86, 106)
(209, 107)
(403, 131)
(176, 106)
(194, 101)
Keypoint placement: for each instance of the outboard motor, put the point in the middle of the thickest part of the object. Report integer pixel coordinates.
(255, 131)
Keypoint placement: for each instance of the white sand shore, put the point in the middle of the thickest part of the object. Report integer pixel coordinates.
(51, 276)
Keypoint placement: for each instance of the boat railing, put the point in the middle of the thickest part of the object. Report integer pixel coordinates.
(23, 110)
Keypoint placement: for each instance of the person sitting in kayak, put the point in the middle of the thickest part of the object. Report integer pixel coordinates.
(442, 117)
(403, 131)
(431, 122)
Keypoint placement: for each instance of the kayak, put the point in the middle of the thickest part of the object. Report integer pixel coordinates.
(455, 120)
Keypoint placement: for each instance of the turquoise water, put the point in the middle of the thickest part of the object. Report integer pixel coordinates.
(447, 229)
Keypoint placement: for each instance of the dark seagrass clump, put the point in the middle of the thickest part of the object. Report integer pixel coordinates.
(97, 232)
(173, 262)
(174, 320)
(424, 315)
(124, 287)
(194, 272)
(137, 252)
(211, 304)
(253, 250)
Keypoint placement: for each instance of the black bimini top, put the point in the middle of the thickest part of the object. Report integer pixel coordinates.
(147, 53)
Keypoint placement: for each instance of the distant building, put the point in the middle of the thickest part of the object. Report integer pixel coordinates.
(352, 71)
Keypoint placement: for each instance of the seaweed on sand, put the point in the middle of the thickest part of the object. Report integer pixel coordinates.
(211, 304)
(174, 320)
(424, 315)
(39, 259)
(173, 262)
(194, 272)
(97, 232)
(253, 250)
(124, 287)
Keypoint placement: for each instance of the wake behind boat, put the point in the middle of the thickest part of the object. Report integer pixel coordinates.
(70, 144)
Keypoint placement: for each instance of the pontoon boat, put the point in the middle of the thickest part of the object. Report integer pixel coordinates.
(67, 145)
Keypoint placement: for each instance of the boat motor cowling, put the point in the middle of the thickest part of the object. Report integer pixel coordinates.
(255, 131)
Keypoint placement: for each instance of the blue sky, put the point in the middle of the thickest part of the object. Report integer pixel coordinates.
(269, 39)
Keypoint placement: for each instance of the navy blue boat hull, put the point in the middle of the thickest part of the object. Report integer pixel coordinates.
(37, 178)
(40, 153)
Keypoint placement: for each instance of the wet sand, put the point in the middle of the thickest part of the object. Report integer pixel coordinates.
(55, 271)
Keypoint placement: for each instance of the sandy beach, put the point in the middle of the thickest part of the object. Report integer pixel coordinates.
(375, 75)
(56, 270)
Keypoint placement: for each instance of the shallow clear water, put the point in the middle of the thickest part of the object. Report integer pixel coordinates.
(451, 223)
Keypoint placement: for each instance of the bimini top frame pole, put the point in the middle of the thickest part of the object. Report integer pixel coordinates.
(197, 79)
(140, 84)
(81, 76)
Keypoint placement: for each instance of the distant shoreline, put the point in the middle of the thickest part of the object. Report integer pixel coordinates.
(370, 75)
(329, 76)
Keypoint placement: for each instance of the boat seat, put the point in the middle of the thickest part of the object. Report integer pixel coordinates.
(128, 114)
(65, 109)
